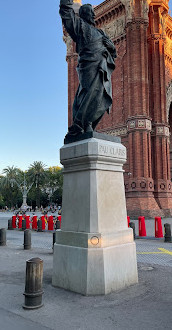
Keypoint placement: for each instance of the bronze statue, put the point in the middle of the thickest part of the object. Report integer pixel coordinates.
(96, 54)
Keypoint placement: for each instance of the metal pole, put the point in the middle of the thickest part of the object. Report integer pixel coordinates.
(39, 225)
(27, 239)
(23, 224)
(132, 225)
(10, 227)
(2, 237)
(57, 225)
(54, 239)
(167, 232)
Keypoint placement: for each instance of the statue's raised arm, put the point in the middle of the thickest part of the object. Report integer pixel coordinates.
(69, 18)
(95, 66)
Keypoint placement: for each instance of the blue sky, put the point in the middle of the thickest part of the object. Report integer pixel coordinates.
(33, 82)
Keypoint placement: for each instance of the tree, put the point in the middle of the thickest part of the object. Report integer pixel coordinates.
(2, 203)
(11, 195)
(54, 184)
(11, 172)
(37, 173)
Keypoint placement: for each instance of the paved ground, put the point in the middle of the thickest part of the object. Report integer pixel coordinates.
(147, 305)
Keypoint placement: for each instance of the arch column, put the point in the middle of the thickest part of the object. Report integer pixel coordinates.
(157, 86)
(140, 184)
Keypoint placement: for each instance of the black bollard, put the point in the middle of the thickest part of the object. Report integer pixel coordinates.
(23, 224)
(54, 240)
(27, 239)
(167, 232)
(10, 227)
(2, 237)
(33, 284)
(132, 225)
(57, 225)
(39, 225)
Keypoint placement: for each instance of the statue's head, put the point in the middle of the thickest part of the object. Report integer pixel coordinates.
(86, 12)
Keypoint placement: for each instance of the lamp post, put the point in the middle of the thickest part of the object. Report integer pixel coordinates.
(24, 190)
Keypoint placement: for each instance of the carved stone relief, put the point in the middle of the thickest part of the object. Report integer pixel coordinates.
(169, 98)
(68, 41)
(162, 21)
(145, 9)
(132, 124)
(115, 28)
(141, 123)
(148, 124)
(129, 9)
(162, 130)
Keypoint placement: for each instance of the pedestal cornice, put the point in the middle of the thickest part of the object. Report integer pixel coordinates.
(93, 154)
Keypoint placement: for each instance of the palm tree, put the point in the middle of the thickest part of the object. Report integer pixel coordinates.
(11, 174)
(37, 174)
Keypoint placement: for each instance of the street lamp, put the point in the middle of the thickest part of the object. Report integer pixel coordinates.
(24, 190)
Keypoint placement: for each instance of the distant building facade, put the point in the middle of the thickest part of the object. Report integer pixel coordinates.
(142, 98)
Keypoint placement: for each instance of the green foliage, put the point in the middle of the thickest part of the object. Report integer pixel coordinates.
(2, 203)
(37, 174)
(9, 191)
(54, 184)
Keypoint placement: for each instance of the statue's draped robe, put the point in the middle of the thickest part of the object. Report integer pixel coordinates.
(95, 66)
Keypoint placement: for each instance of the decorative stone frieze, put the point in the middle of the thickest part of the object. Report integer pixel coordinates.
(117, 131)
(163, 186)
(139, 184)
(161, 130)
(115, 28)
(141, 123)
(129, 9)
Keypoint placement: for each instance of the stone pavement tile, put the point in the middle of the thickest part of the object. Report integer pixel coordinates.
(11, 321)
(154, 252)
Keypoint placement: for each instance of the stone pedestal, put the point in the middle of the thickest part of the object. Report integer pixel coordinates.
(94, 251)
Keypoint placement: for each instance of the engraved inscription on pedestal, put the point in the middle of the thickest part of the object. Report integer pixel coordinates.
(112, 151)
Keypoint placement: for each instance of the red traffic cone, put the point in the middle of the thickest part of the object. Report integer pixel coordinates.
(158, 227)
(128, 220)
(142, 226)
